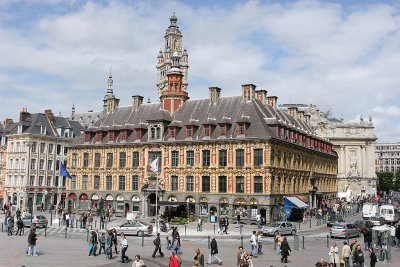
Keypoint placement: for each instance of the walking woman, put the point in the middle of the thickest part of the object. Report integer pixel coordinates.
(285, 248)
(115, 239)
(334, 255)
(124, 247)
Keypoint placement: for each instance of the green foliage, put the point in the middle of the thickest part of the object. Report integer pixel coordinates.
(385, 181)
(396, 184)
(179, 220)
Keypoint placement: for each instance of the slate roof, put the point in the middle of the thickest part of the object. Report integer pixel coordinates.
(32, 125)
(261, 118)
(86, 118)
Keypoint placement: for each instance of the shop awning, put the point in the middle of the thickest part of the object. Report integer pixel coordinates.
(293, 202)
(83, 197)
(72, 196)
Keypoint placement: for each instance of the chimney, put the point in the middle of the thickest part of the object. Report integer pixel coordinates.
(7, 122)
(262, 96)
(293, 112)
(137, 100)
(24, 114)
(248, 92)
(49, 114)
(273, 101)
(307, 118)
(214, 94)
(300, 115)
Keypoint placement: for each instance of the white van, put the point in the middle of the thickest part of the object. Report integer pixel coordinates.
(388, 212)
(370, 210)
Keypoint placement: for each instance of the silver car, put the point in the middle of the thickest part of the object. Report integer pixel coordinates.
(283, 228)
(37, 220)
(134, 228)
(344, 230)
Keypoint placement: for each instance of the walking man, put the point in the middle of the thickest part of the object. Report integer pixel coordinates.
(346, 253)
(20, 226)
(214, 251)
(10, 225)
(157, 246)
(253, 242)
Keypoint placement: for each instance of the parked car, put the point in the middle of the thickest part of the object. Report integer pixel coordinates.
(334, 219)
(284, 228)
(363, 224)
(37, 220)
(345, 230)
(134, 228)
(376, 221)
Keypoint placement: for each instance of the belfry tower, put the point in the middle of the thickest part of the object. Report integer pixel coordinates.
(173, 46)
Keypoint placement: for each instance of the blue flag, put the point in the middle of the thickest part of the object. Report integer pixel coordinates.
(64, 172)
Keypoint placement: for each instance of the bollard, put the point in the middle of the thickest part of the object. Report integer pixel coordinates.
(299, 226)
(208, 243)
(310, 222)
(240, 228)
(51, 218)
(327, 241)
(87, 235)
(142, 240)
(59, 222)
(45, 231)
(303, 242)
(214, 229)
(241, 241)
(66, 229)
(185, 229)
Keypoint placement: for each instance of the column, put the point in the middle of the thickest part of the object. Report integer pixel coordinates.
(364, 159)
(342, 162)
(34, 201)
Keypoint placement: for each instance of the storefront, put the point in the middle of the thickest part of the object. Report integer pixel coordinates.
(84, 202)
(72, 201)
(224, 206)
(135, 203)
(253, 208)
(95, 201)
(240, 208)
(109, 202)
(120, 204)
(203, 206)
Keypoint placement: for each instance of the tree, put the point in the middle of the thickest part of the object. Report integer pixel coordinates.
(385, 181)
(396, 184)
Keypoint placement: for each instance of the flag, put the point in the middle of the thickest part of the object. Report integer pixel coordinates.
(64, 172)
(154, 166)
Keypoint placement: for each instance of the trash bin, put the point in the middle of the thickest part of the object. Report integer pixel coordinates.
(296, 242)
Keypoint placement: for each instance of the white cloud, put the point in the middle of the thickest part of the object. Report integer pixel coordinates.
(345, 58)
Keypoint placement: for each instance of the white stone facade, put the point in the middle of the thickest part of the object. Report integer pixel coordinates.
(387, 157)
(354, 144)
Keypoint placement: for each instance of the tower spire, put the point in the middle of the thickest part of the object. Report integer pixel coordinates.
(110, 83)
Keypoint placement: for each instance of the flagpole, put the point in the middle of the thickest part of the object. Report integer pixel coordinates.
(157, 223)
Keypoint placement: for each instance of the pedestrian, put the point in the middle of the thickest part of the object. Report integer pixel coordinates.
(393, 235)
(32, 243)
(18, 213)
(253, 243)
(285, 248)
(84, 220)
(124, 247)
(67, 219)
(138, 262)
(258, 220)
(93, 244)
(20, 226)
(372, 257)
(346, 253)
(169, 237)
(115, 239)
(214, 251)
(109, 245)
(81, 221)
(358, 257)
(239, 256)
(10, 224)
(102, 221)
(102, 241)
(334, 255)
(90, 221)
(320, 263)
(198, 260)
(226, 225)
(157, 246)
(278, 241)
(173, 260)
(72, 220)
(397, 234)
(199, 224)
(247, 260)
(259, 242)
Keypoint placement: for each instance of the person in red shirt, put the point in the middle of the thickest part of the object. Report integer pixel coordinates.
(173, 261)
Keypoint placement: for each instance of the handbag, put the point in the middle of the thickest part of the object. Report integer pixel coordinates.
(90, 246)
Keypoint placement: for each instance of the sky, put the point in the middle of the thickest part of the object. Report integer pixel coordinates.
(343, 56)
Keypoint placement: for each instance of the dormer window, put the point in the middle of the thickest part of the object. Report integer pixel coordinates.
(242, 128)
(99, 136)
(207, 130)
(111, 135)
(155, 132)
(123, 135)
(138, 134)
(172, 132)
(189, 131)
(42, 129)
(86, 137)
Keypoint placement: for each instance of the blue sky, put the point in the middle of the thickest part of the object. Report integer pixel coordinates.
(339, 55)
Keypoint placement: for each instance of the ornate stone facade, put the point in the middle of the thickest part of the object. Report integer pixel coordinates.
(220, 156)
(387, 157)
(354, 144)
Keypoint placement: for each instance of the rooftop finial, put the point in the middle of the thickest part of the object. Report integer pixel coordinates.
(110, 83)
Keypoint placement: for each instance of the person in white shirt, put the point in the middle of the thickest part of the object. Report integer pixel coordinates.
(254, 244)
(393, 235)
(124, 247)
